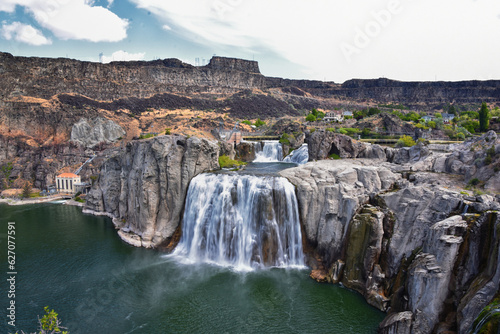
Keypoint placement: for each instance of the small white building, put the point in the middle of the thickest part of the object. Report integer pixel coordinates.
(447, 118)
(333, 116)
(65, 182)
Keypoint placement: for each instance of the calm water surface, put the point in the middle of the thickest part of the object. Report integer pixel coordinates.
(77, 265)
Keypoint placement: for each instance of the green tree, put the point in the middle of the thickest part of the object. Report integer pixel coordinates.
(432, 124)
(438, 115)
(49, 323)
(405, 141)
(484, 118)
(470, 126)
(258, 122)
(373, 111)
(452, 109)
(311, 118)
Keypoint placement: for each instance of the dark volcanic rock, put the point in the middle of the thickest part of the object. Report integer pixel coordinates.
(44, 77)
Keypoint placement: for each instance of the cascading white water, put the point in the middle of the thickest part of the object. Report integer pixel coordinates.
(271, 151)
(299, 156)
(242, 221)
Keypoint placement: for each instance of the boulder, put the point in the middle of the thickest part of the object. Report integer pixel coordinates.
(92, 132)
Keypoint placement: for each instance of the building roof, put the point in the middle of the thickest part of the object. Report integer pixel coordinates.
(68, 175)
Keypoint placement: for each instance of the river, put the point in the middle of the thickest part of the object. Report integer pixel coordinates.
(77, 265)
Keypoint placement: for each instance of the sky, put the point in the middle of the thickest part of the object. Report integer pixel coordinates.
(330, 40)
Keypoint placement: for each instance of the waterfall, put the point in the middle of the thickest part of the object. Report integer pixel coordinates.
(299, 156)
(271, 151)
(242, 221)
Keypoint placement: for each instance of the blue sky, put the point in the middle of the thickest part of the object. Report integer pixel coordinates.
(316, 39)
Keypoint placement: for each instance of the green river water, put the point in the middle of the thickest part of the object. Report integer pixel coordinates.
(78, 265)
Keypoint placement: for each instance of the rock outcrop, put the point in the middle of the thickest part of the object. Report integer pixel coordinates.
(478, 157)
(323, 144)
(144, 187)
(400, 241)
(92, 132)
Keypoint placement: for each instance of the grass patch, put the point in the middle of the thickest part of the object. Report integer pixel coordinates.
(227, 162)
(146, 136)
(334, 156)
(79, 199)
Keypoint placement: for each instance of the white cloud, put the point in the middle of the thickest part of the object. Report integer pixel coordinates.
(441, 38)
(23, 33)
(123, 56)
(74, 19)
(166, 27)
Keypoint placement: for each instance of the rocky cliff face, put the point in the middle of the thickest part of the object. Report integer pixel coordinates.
(400, 243)
(417, 92)
(44, 77)
(144, 186)
(329, 196)
(41, 163)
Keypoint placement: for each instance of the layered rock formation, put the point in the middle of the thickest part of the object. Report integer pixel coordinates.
(41, 163)
(44, 77)
(144, 187)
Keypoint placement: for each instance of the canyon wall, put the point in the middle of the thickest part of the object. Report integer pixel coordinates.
(45, 77)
